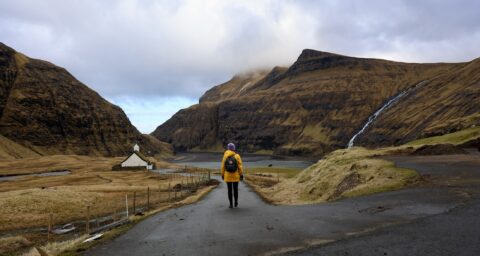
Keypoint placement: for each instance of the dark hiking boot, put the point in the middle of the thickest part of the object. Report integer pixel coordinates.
(236, 204)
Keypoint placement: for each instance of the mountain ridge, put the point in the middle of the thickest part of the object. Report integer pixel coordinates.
(310, 108)
(46, 109)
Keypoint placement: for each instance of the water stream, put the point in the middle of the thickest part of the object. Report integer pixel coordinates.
(379, 111)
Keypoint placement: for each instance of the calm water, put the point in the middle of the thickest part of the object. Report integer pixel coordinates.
(45, 174)
(213, 161)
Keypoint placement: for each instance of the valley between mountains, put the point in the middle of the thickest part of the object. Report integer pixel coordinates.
(373, 132)
(318, 103)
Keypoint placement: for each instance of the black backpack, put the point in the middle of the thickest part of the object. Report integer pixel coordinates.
(231, 164)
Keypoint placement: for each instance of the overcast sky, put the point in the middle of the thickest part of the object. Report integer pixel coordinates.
(153, 58)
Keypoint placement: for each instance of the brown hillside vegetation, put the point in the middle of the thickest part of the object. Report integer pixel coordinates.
(12, 150)
(26, 201)
(318, 103)
(342, 173)
(447, 103)
(44, 109)
(359, 171)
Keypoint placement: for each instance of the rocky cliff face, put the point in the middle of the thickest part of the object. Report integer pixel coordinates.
(44, 108)
(317, 104)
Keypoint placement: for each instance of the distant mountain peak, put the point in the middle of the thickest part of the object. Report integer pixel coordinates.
(46, 110)
(313, 54)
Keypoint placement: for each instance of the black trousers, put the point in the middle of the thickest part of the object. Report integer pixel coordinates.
(232, 186)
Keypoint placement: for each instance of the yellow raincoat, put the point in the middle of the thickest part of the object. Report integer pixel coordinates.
(232, 176)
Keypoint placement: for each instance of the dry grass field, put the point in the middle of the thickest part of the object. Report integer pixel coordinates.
(27, 202)
(89, 190)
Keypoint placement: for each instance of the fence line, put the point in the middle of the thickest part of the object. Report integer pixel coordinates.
(141, 201)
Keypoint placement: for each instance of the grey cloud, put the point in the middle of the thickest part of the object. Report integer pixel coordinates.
(182, 48)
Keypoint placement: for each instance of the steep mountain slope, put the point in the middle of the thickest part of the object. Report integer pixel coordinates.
(12, 150)
(311, 108)
(445, 104)
(45, 109)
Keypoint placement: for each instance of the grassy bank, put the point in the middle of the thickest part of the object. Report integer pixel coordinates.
(342, 173)
(455, 138)
(346, 173)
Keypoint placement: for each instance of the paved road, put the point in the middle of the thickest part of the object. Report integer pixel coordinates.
(455, 232)
(210, 228)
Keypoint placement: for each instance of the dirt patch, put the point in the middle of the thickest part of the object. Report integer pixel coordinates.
(349, 182)
(438, 149)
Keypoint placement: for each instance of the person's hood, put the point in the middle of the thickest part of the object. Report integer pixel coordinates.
(230, 153)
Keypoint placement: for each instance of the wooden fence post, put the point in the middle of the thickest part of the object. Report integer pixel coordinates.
(87, 228)
(126, 203)
(148, 198)
(50, 224)
(159, 192)
(181, 190)
(134, 202)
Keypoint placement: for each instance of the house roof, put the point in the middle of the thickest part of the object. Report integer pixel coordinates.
(143, 157)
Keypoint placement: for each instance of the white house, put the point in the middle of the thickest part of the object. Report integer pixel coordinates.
(137, 159)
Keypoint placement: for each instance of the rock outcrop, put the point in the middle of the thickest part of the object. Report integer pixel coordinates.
(45, 109)
(318, 103)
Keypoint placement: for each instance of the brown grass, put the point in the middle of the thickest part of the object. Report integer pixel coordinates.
(348, 173)
(11, 150)
(266, 177)
(342, 173)
(26, 202)
(75, 247)
(13, 244)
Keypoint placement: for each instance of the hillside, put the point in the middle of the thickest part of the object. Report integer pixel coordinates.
(445, 104)
(12, 150)
(45, 110)
(316, 105)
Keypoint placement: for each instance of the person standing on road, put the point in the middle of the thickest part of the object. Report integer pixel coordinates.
(232, 172)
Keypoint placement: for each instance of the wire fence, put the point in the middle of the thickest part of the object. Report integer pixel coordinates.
(119, 207)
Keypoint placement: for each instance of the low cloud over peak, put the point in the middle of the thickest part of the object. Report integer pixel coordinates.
(173, 49)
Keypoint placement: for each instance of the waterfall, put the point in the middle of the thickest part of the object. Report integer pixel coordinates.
(379, 111)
